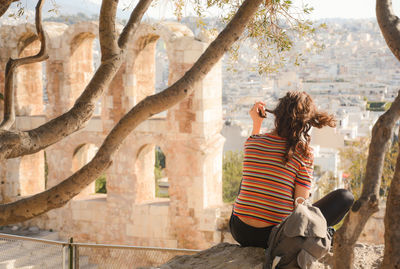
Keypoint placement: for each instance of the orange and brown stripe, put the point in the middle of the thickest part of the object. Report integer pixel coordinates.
(268, 184)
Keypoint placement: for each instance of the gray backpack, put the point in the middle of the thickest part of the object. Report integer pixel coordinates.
(299, 240)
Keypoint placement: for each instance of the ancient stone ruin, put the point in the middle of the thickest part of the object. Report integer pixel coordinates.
(188, 135)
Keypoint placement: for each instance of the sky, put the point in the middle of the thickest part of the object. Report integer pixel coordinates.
(345, 8)
(322, 8)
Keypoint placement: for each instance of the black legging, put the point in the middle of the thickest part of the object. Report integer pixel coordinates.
(333, 206)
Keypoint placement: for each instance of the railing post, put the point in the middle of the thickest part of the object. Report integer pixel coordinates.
(71, 254)
(76, 255)
(64, 256)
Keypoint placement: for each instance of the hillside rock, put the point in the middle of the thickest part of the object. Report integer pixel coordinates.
(221, 256)
(231, 256)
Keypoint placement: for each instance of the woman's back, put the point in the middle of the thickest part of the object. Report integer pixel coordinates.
(267, 188)
(277, 169)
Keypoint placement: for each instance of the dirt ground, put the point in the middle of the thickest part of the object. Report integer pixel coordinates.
(366, 257)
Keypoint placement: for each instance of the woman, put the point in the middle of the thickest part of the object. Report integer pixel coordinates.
(278, 168)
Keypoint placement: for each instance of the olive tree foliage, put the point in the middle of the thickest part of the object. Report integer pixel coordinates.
(272, 32)
(243, 16)
(231, 175)
(354, 163)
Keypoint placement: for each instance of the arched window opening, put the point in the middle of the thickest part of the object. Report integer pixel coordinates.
(151, 173)
(29, 79)
(30, 173)
(162, 66)
(45, 96)
(96, 63)
(162, 70)
(81, 64)
(151, 68)
(83, 154)
(160, 174)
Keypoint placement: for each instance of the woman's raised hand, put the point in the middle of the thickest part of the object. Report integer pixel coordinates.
(256, 110)
(255, 116)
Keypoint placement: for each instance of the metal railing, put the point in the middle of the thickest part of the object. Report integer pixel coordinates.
(20, 251)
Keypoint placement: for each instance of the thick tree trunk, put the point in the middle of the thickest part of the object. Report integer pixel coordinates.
(367, 205)
(60, 194)
(391, 259)
(390, 25)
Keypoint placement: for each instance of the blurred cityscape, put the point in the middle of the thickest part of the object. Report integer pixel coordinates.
(354, 77)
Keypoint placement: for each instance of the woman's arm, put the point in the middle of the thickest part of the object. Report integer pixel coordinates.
(304, 178)
(257, 120)
(256, 128)
(301, 191)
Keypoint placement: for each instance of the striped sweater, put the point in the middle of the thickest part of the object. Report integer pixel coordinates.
(267, 187)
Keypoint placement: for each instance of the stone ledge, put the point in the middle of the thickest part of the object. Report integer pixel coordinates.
(221, 256)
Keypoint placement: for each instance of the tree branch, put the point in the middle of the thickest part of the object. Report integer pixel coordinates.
(380, 142)
(60, 194)
(367, 205)
(391, 258)
(389, 25)
(32, 141)
(4, 5)
(12, 64)
(133, 22)
(107, 32)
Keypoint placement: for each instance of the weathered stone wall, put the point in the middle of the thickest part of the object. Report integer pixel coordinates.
(18, 178)
(189, 136)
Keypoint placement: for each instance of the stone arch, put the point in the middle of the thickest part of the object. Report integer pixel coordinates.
(168, 31)
(81, 155)
(86, 28)
(142, 50)
(131, 83)
(156, 139)
(22, 41)
(78, 43)
(162, 66)
(132, 175)
(144, 167)
(61, 155)
(25, 175)
(29, 78)
(13, 35)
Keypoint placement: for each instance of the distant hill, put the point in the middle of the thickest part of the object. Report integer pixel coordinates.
(65, 7)
(72, 7)
(90, 8)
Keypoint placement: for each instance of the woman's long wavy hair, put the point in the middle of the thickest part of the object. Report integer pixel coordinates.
(295, 114)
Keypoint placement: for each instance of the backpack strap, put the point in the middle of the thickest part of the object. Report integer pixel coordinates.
(305, 201)
(272, 241)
